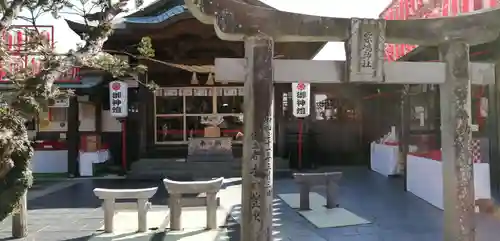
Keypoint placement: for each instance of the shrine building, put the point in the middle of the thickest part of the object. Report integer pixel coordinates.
(348, 123)
(163, 124)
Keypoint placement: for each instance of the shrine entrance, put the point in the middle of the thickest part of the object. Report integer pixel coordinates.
(344, 120)
(336, 129)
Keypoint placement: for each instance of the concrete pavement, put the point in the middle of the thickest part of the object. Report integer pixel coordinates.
(73, 213)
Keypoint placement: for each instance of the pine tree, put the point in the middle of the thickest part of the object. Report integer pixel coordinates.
(31, 90)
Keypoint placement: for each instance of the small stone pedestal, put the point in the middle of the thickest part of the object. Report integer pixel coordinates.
(307, 180)
(176, 189)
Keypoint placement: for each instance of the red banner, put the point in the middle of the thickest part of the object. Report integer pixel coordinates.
(414, 9)
(17, 39)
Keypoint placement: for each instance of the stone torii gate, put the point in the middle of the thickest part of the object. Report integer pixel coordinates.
(260, 27)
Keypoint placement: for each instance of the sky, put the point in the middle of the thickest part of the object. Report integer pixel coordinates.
(66, 39)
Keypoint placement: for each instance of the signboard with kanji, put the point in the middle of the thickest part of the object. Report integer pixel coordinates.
(301, 95)
(118, 105)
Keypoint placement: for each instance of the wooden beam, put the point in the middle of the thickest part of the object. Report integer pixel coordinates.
(456, 136)
(326, 71)
(234, 19)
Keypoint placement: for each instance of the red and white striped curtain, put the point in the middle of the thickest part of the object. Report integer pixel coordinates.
(411, 9)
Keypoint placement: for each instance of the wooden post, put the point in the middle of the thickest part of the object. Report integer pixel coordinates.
(73, 136)
(257, 193)
(493, 128)
(437, 115)
(20, 219)
(404, 142)
(458, 175)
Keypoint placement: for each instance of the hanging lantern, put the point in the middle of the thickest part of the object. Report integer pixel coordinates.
(194, 79)
(210, 79)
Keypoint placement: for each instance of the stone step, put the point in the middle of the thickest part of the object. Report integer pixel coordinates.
(190, 175)
(157, 169)
(173, 171)
(152, 165)
(181, 175)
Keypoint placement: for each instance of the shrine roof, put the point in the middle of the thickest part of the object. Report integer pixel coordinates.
(154, 8)
(157, 14)
(176, 32)
(85, 82)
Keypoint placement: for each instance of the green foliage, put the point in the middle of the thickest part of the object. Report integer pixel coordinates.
(146, 48)
(16, 151)
(31, 90)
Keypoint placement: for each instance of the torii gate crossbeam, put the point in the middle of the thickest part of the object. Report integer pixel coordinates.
(232, 70)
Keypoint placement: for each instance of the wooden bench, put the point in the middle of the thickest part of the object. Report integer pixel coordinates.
(109, 206)
(176, 189)
(308, 180)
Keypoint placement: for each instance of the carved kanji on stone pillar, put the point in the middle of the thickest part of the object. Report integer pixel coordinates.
(365, 51)
(235, 20)
(257, 172)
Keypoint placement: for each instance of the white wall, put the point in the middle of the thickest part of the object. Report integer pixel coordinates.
(87, 119)
(109, 123)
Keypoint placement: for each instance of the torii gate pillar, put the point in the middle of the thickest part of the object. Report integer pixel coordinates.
(257, 194)
(458, 180)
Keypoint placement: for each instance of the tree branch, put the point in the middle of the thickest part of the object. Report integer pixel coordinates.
(10, 14)
(92, 47)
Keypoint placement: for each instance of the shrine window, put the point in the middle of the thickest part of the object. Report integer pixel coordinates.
(169, 129)
(199, 100)
(230, 100)
(168, 101)
(194, 127)
(232, 126)
(58, 114)
(181, 113)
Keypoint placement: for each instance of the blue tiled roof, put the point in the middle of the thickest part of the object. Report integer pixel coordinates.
(171, 12)
(85, 82)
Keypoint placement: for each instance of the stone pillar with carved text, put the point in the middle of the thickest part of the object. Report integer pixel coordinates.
(257, 173)
(458, 175)
(365, 51)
